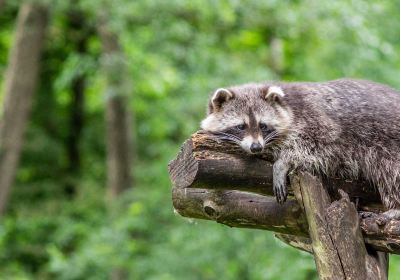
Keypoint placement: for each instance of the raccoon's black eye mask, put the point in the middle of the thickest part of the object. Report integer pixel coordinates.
(237, 133)
(266, 129)
(263, 126)
(237, 130)
(240, 126)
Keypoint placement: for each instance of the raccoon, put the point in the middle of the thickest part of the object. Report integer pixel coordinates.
(347, 128)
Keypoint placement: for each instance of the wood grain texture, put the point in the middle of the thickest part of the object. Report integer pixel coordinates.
(337, 242)
(248, 210)
(217, 181)
(204, 162)
(344, 231)
(240, 209)
(315, 199)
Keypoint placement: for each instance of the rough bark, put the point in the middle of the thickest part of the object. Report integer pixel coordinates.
(20, 84)
(337, 242)
(204, 162)
(240, 209)
(315, 200)
(209, 179)
(247, 210)
(119, 142)
(377, 263)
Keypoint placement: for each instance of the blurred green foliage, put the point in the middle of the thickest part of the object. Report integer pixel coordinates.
(177, 52)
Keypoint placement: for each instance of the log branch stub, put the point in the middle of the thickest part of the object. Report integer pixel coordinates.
(384, 231)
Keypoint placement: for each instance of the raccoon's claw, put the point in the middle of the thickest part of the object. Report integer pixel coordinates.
(280, 191)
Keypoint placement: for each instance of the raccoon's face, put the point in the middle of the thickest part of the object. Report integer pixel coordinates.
(252, 116)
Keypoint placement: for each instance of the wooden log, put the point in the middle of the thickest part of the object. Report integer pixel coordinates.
(337, 242)
(344, 231)
(343, 221)
(315, 199)
(218, 181)
(248, 210)
(377, 263)
(240, 209)
(205, 162)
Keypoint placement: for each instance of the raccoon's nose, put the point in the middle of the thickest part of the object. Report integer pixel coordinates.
(256, 148)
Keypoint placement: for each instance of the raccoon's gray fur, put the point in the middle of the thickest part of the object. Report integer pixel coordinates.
(348, 128)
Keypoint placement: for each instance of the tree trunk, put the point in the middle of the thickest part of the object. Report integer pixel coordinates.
(20, 84)
(337, 242)
(119, 142)
(78, 35)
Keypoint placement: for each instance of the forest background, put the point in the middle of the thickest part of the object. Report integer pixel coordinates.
(97, 97)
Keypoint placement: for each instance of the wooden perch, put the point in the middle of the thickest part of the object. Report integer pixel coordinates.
(203, 162)
(241, 209)
(314, 199)
(247, 210)
(217, 181)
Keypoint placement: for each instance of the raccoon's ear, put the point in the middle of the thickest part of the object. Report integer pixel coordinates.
(219, 97)
(274, 94)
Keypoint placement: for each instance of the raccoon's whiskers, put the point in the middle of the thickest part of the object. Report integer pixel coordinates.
(271, 135)
(270, 140)
(227, 137)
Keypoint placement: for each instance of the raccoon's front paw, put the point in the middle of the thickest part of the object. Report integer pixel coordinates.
(280, 189)
(280, 170)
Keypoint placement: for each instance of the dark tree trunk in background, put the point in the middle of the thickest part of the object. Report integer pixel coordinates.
(119, 140)
(1, 4)
(118, 124)
(77, 34)
(20, 84)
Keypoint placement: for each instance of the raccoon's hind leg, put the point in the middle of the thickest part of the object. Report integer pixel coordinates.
(393, 214)
(280, 171)
(391, 201)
